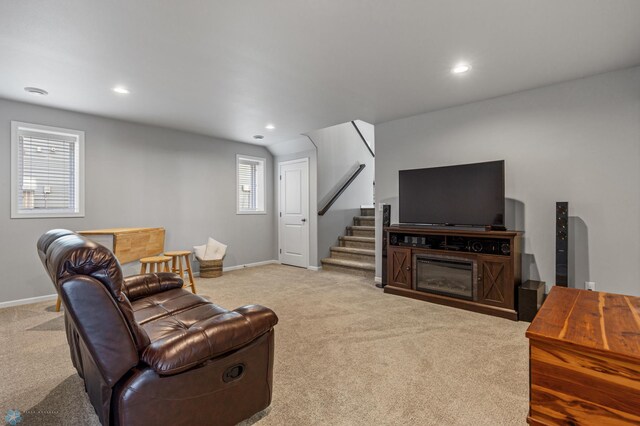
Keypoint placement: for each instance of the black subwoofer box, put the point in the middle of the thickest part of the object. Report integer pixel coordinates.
(530, 298)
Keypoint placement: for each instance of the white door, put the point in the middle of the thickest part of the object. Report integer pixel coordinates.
(294, 212)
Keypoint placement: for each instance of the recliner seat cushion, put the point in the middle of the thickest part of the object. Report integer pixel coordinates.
(160, 327)
(164, 304)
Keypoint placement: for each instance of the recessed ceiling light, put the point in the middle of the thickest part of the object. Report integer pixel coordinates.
(258, 137)
(270, 127)
(461, 68)
(121, 90)
(36, 91)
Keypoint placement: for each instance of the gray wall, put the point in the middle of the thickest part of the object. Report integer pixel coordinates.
(137, 176)
(577, 141)
(339, 150)
(313, 198)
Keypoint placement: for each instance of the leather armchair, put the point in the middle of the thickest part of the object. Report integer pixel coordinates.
(150, 352)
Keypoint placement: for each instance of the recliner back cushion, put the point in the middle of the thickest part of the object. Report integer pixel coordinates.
(75, 255)
(45, 241)
(71, 254)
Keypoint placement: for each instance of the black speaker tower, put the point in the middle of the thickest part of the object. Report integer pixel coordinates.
(562, 244)
(386, 221)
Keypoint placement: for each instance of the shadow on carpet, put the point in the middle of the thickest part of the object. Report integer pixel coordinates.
(66, 404)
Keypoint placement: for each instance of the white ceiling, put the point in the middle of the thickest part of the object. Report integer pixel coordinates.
(227, 68)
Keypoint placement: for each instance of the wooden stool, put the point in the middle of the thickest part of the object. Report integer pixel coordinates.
(178, 268)
(155, 264)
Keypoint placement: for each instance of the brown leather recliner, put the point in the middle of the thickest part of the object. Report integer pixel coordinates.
(151, 353)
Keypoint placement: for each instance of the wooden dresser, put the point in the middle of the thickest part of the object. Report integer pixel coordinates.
(585, 359)
(129, 244)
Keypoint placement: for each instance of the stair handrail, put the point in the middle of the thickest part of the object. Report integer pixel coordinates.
(343, 188)
(363, 139)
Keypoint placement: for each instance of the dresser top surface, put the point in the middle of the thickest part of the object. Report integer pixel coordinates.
(602, 322)
(116, 231)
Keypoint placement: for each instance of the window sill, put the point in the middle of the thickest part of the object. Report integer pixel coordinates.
(15, 215)
(250, 212)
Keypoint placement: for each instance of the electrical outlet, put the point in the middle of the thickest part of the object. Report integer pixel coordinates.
(590, 285)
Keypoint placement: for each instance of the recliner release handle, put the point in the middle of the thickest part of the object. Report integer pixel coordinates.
(233, 373)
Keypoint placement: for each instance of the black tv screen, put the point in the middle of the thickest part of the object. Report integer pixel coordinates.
(470, 194)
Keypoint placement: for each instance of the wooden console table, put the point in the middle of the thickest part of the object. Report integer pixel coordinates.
(129, 244)
(494, 256)
(585, 359)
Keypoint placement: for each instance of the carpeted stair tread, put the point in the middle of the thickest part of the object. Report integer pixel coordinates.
(367, 211)
(361, 231)
(350, 264)
(358, 239)
(361, 228)
(357, 242)
(364, 220)
(354, 250)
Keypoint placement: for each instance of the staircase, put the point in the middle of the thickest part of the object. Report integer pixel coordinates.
(355, 253)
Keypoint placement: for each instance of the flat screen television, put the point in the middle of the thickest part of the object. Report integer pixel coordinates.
(468, 195)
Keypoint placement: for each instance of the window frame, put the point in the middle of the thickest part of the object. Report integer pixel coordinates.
(16, 212)
(240, 157)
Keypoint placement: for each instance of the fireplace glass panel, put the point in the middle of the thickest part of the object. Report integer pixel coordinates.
(451, 277)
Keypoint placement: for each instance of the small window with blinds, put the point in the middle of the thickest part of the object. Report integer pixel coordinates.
(47, 171)
(250, 184)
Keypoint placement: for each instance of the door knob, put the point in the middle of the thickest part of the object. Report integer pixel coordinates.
(304, 220)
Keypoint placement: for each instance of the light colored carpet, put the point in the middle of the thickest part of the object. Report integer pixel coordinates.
(346, 354)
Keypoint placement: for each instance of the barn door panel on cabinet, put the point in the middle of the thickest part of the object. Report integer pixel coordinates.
(494, 276)
(399, 267)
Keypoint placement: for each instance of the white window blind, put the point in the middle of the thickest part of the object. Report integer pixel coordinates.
(47, 171)
(250, 184)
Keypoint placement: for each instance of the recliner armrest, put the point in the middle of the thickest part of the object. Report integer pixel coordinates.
(139, 286)
(209, 338)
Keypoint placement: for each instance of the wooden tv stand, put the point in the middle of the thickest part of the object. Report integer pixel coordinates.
(495, 257)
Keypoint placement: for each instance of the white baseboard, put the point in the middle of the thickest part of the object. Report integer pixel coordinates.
(195, 274)
(314, 268)
(28, 300)
(377, 280)
(250, 265)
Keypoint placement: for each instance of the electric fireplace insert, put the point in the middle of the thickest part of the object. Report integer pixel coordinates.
(455, 277)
